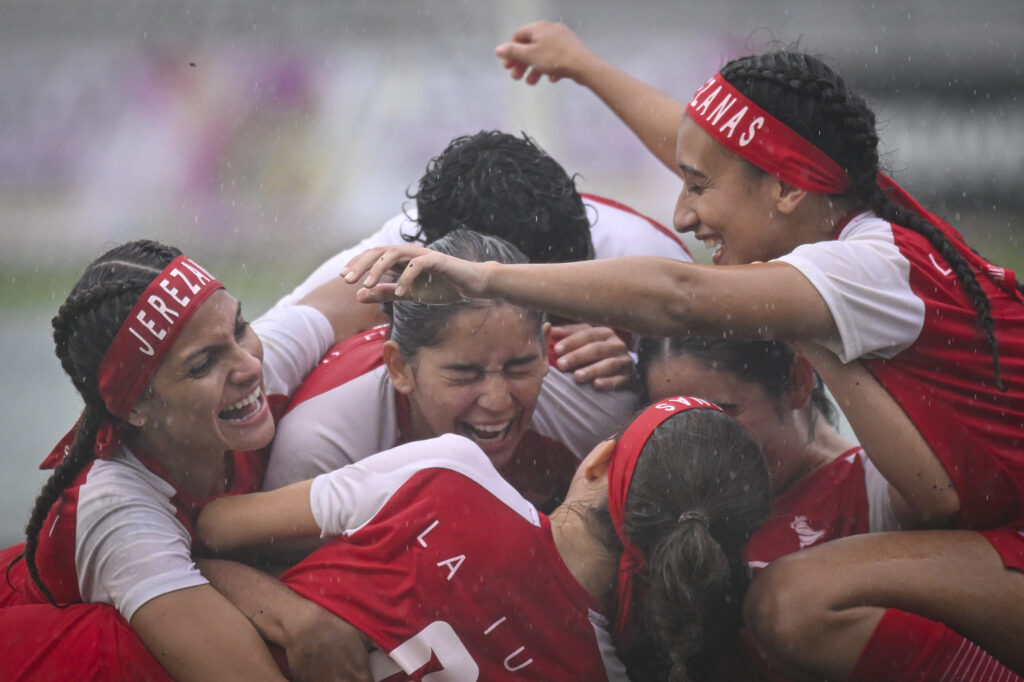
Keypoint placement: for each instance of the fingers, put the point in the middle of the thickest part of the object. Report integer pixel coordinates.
(593, 354)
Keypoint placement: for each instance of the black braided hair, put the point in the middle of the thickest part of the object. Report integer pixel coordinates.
(808, 96)
(83, 329)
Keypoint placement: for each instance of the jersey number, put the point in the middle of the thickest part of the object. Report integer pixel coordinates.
(434, 654)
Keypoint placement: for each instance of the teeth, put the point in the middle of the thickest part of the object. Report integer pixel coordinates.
(490, 429)
(712, 243)
(248, 400)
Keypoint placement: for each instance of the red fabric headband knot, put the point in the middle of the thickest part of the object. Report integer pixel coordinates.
(620, 474)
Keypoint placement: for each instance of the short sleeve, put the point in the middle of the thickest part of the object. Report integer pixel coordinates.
(343, 501)
(129, 545)
(864, 280)
(294, 339)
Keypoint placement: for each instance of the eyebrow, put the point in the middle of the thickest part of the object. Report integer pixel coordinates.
(691, 170)
(476, 367)
(213, 347)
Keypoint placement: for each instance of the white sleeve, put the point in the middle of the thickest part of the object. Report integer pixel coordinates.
(294, 339)
(129, 546)
(390, 234)
(617, 233)
(881, 516)
(577, 415)
(337, 427)
(343, 501)
(865, 282)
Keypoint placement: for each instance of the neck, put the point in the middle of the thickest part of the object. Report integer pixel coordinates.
(587, 559)
(820, 215)
(815, 452)
(202, 475)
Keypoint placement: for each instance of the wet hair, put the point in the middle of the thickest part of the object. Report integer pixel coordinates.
(418, 325)
(769, 364)
(699, 491)
(805, 94)
(83, 329)
(507, 186)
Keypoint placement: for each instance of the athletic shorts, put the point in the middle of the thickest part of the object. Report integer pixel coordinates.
(1009, 542)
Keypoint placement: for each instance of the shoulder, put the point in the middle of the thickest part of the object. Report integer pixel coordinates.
(346, 360)
(619, 230)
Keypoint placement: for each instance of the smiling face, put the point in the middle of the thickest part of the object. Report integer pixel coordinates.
(726, 203)
(207, 397)
(481, 381)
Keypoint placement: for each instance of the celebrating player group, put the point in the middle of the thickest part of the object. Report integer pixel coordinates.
(523, 436)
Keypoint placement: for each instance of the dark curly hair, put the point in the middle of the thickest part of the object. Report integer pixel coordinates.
(808, 96)
(506, 186)
(83, 329)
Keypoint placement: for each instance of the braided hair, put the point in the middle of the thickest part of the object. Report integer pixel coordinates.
(805, 94)
(83, 329)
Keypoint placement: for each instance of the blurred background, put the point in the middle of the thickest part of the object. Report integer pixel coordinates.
(261, 137)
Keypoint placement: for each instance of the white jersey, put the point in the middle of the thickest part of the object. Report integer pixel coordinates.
(133, 527)
(616, 230)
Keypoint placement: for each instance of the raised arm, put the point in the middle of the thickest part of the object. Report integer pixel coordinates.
(651, 296)
(552, 50)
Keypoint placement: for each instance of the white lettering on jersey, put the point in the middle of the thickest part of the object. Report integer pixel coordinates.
(419, 538)
(808, 536)
(508, 665)
(453, 564)
(494, 625)
(946, 272)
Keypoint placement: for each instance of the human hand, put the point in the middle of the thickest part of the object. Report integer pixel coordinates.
(594, 354)
(422, 275)
(544, 49)
(321, 646)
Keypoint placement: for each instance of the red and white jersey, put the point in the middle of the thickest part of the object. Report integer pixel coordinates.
(847, 496)
(450, 571)
(900, 309)
(616, 230)
(348, 409)
(122, 532)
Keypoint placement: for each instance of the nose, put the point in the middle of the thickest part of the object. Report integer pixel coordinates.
(495, 395)
(246, 364)
(685, 218)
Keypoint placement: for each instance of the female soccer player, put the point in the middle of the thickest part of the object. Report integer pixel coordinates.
(179, 398)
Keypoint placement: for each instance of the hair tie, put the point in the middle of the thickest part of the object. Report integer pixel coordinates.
(694, 515)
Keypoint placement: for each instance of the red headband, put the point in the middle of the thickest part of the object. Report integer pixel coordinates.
(149, 331)
(139, 348)
(750, 132)
(620, 474)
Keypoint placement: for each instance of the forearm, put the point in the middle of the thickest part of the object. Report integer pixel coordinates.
(926, 495)
(264, 600)
(653, 116)
(664, 297)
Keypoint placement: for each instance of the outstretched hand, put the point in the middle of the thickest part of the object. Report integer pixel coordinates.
(544, 49)
(413, 273)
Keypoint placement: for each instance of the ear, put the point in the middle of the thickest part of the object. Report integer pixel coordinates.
(401, 372)
(137, 417)
(788, 197)
(801, 383)
(596, 463)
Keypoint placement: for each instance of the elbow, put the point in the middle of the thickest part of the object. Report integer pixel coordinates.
(934, 508)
